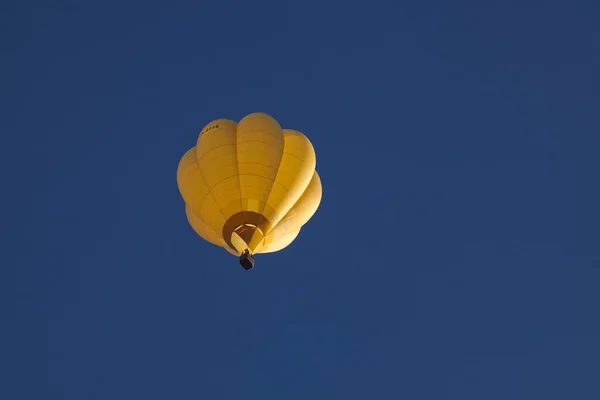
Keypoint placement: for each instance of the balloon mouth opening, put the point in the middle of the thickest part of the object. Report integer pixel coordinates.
(245, 227)
(247, 237)
(247, 231)
(242, 231)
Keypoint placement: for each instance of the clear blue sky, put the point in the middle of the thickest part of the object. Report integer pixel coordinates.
(455, 254)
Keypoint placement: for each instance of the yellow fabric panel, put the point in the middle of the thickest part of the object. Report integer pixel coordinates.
(278, 240)
(289, 227)
(260, 145)
(189, 179)
(202, 229)
(239, 243)
(196, 194)
(256, 241)
(306, 206)
(210, 212)
(280, 236)
(295, 172)
(207, 140)
(217, 159)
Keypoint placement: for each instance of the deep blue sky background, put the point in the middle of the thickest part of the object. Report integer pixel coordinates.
(455, 254)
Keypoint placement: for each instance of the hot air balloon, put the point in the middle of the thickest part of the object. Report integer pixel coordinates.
(249, 186)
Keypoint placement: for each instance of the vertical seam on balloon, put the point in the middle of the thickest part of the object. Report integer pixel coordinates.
(237, 163)
(293, 208)
(199, 189)
(200, 208)
(272, 184)
(210, 193)
(205, 224)
(311, 196)
(302, 159)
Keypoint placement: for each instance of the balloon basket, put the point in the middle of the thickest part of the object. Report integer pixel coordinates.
(246, 260)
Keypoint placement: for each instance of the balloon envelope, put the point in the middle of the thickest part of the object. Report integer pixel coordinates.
(249, 186)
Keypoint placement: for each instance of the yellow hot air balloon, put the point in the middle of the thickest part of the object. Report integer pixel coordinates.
(249, 187)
